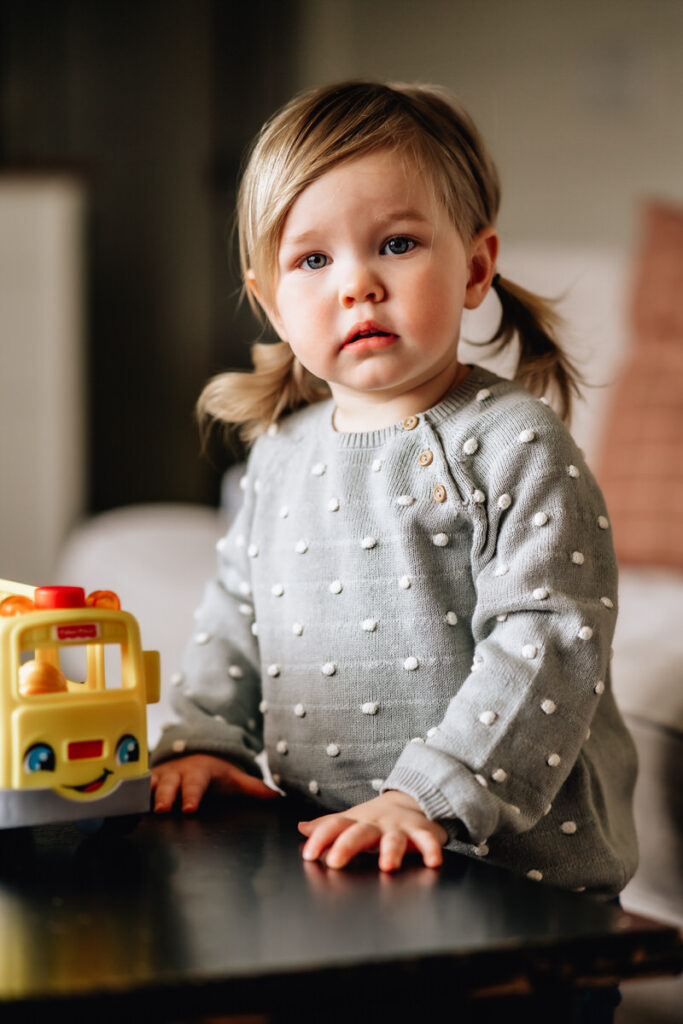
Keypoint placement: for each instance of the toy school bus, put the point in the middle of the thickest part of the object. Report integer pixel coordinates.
(74, 689)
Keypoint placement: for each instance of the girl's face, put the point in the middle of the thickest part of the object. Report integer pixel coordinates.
(372, 279)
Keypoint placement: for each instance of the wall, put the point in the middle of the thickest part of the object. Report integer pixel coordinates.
(150, 104)
(579, 101)
(42, 449)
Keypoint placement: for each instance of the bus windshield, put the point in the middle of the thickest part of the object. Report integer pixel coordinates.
(72, 669)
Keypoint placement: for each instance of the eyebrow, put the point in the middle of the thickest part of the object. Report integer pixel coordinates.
(405, 214)
(297, 240)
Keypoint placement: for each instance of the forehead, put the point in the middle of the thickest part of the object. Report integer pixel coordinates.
(374, 186)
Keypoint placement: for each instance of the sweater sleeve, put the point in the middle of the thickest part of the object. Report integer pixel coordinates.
(217, 691)
(545, 577)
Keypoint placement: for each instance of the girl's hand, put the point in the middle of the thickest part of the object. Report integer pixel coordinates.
(392, 823)
(191, 776)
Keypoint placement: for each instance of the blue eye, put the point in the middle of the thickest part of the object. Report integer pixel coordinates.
(399, 245)
(39, 758)
(128, 750)
(316, 261)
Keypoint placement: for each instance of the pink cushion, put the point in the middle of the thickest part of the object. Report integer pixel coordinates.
(641, 468)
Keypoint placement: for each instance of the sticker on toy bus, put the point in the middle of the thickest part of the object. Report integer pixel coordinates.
(83, 631)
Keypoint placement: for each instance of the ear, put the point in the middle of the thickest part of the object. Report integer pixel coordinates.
(256, 297)
(481, 266)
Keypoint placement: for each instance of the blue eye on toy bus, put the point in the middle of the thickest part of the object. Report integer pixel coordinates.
(39, 758)
(127, 750)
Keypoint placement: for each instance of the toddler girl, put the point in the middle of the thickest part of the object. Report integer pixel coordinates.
(412, 614)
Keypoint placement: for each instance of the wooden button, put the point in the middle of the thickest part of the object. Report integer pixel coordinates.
(439, 493)
(410, 422)
(425, 458)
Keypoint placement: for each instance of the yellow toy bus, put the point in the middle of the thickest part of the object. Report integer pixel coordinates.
(74, 689)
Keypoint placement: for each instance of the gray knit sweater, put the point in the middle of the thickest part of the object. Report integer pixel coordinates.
(429, 608)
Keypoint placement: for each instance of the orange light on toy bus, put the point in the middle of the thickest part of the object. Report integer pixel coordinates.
(84, 748)
(103, 599)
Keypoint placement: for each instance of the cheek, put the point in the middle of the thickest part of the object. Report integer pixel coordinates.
(284, 319)
(435, 301)
(300, 312)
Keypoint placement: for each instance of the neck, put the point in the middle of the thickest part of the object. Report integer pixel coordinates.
(360, 413)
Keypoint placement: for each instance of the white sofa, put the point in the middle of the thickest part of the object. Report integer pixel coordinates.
(158, 556)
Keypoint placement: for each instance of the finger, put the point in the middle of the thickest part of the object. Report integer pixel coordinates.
(392, 849)
(240, 782)
(306, 827)
(358, 837)
(429, 846)
(324, 833)
(166, 790)
(194, 784)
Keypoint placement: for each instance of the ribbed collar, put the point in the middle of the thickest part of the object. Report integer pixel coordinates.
(465, 392)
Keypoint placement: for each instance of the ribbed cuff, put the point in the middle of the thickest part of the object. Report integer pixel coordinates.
(431, 800)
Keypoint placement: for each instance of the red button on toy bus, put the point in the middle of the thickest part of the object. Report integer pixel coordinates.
(59, 597)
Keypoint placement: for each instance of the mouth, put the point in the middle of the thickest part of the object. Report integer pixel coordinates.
(92, 787)
(369, 334)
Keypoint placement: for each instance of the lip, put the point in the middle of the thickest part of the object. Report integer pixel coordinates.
(369, 334)
(94, 785)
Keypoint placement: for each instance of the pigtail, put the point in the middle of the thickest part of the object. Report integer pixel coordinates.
(253, 401)
(542, 364)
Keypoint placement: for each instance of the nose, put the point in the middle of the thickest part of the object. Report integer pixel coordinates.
(360, 285)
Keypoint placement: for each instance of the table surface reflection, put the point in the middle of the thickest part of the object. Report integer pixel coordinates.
(218, 913)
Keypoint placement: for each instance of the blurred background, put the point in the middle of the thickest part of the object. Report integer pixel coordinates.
(122, 129)
(123, 125)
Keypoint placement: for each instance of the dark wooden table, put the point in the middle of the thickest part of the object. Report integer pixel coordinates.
(218, 915)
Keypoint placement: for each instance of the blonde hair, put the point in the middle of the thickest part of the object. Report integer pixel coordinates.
(319, 130)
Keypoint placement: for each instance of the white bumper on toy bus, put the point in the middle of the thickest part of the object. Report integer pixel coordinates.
(24, 807)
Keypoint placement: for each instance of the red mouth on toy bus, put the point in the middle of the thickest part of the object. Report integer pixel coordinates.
(92, 787)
